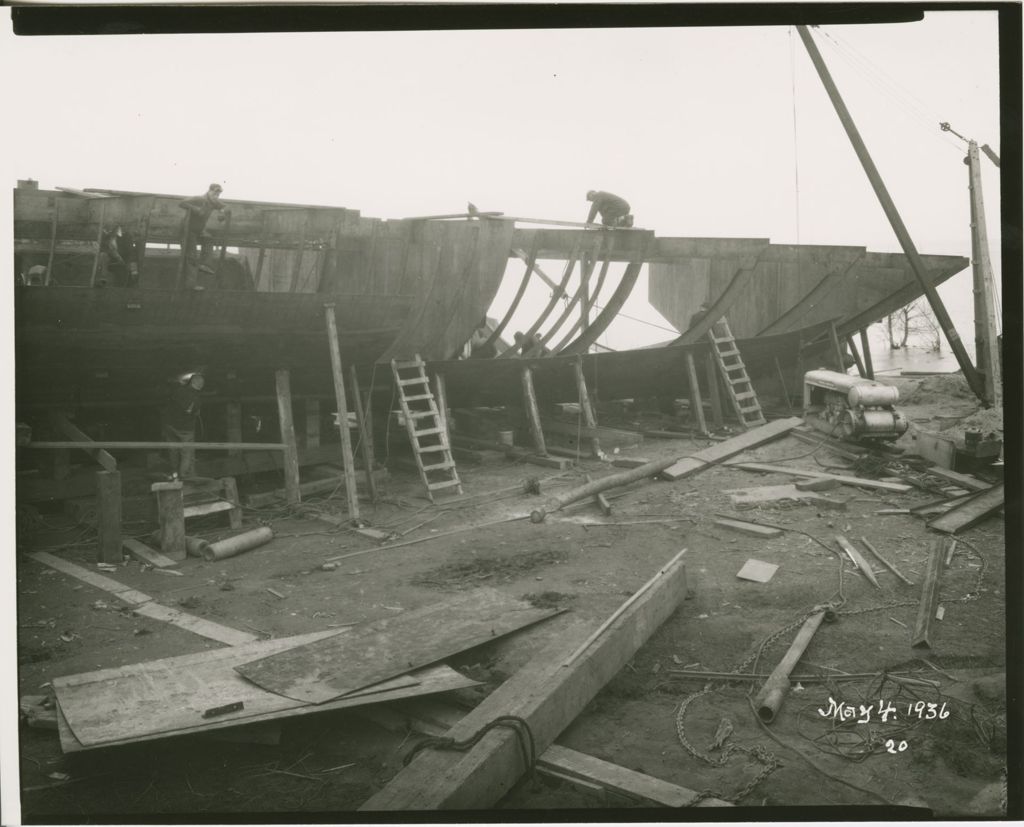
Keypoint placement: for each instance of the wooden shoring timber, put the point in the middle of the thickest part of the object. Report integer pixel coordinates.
(291, 455)
(971, 511)
(53, 244)
(338, 373)
(586, 408)
(837, 349)
(570, 266)
(696, 402)
(929, 593)
(545, 694)
(108, 516)
(865, 346)
(300, 254)
(556, 503)
(99, 246)
(82, 440)
(583, 322)
(365, 434)
(262, 252)
(713, 378)
(592, 333)
(533, 412)
(782, 385)
(861, 367)
(587, 264)
(531, 266)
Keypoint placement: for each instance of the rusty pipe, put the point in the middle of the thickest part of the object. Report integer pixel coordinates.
(238, 544)
(773, 693)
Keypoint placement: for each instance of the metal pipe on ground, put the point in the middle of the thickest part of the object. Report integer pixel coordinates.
(238, 544)
(773, 693)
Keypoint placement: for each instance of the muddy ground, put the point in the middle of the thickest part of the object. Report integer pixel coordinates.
(649, 718)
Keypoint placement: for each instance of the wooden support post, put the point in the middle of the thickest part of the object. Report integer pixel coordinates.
(224, 245)
(986, 330)
(929, 594)
(233, 420)
(711, 371)
(262, 253)
(339, 394)
(837, 349)
(171, 513)
(53, 245)
(183, 260)
(861, 369)
(782, 384)
(365, 434)
(546, 694)
(696, 402)
(108, 516)
(230, 488)
(99, 246)
(533, 413)
(291, 453)
(141, 242)
(100, 455)
(865, 346)
(311, 431)
(586, 408)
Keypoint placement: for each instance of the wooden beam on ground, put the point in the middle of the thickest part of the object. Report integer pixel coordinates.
(858, 559)
(973, 511)
(600, 499)
(545, 694)
(929, 594)
(75, 433)
(696, 403)
(884, 562)
(435, 719)
(108, 516)
(312, 487)
(723, 450)
(348, 462)
(532, 412)
(282, 379)
(545, 461)
(91, 446)
(859, 482)
(963, 480)
(752, 529)
(144, 554)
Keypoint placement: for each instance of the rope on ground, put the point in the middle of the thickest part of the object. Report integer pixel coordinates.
(524, 737)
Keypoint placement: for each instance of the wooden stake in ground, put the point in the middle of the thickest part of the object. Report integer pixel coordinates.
(544, 695)
(929, 594)
(108, 516)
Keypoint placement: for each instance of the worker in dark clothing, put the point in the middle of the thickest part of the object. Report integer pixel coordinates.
(613, 209)
(116, 260)
(198, 211)
(178, 419)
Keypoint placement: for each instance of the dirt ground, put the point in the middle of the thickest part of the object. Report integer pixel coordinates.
(649, 718)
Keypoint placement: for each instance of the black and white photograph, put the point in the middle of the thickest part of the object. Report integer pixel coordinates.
(472, 413)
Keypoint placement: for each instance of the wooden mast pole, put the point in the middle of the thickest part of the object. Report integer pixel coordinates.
(972, 376)
(985, 328)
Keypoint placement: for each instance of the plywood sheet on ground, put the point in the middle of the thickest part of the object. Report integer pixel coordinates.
(168, 697)
(326, 669)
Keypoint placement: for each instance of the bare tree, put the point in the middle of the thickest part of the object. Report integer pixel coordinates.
(913, 320)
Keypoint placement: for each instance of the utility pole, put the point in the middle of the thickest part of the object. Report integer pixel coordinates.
(972, 376)
(986, 329)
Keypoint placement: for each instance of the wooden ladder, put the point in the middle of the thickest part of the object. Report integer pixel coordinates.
(737, 383)
(427, 426)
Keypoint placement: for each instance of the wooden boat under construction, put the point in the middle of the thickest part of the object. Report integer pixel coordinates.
(398, 289)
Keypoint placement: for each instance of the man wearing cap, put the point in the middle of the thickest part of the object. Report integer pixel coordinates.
(614, 210)
(198, 211)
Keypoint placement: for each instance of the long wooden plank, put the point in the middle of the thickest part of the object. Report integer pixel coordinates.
(748, 528)
(158, 699)
(972, 511)
(858, 559)
(75, 433)
(929, 594)
(963, 480)
(545, 694)
(881, 485)
(140, 551)
(145, 605)
(435, 718)
(723, 450)
(322, 671)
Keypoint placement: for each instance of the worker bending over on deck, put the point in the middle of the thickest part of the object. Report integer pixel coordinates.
(178, 419)
(198, 211)
(614, 210)
(118, 267)
(531, 347)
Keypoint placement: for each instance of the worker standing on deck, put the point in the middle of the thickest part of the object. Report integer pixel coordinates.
(178, 419)
(614, 210)
(198, 211)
